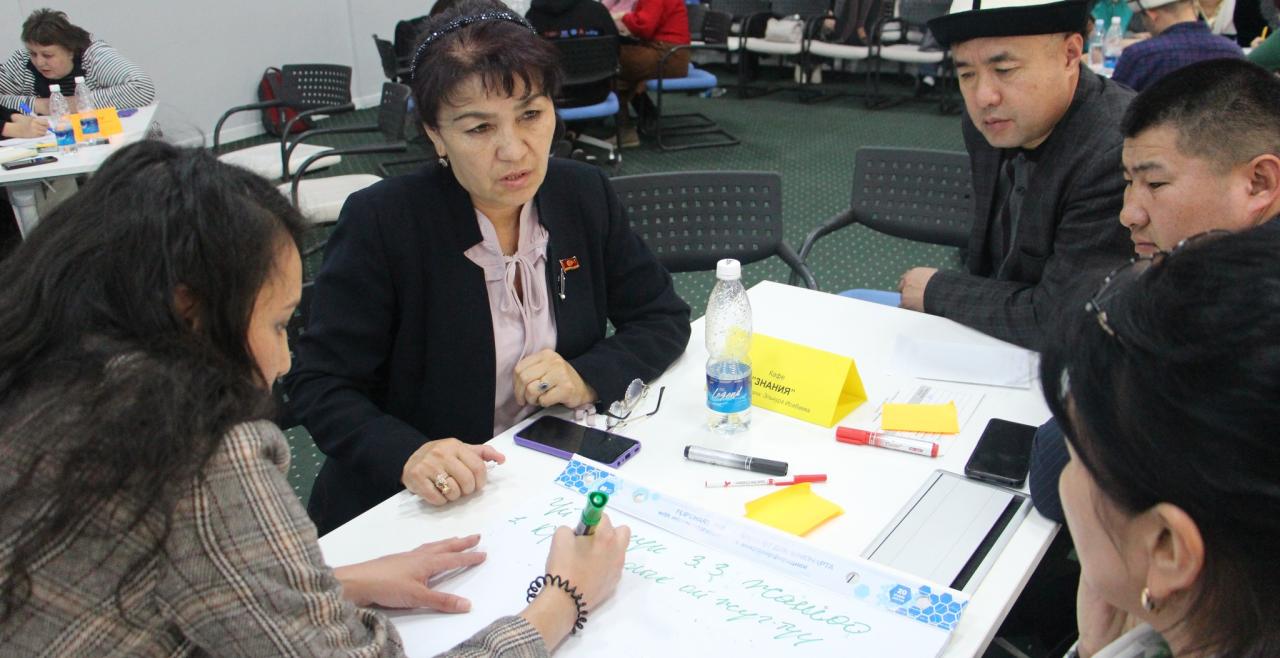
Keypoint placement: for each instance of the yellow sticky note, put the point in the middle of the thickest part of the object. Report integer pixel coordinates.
(933, 418)
(108, 123)
(795, 509)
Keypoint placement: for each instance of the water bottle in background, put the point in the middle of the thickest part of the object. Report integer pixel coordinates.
(59, 122)
(1097, 46)
(728, 325)
(88, 120)
(1111, 46)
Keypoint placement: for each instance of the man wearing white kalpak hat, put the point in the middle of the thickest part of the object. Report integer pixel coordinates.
(1043, 136)
(1181, 39)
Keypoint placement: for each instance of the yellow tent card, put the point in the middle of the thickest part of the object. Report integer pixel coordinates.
(806, 383)
(932, 418)
(108, 123)
(795, 509)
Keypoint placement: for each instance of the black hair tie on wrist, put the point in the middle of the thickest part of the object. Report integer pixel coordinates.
(556, 581)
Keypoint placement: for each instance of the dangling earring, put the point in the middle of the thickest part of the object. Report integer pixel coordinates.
(443, 160)
(1148, 603)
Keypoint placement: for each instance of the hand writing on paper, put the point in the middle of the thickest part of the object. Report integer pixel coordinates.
(912, 285)
(592, 564)
(546, 379)
(399, 580)
(21, 125)
(462, 464)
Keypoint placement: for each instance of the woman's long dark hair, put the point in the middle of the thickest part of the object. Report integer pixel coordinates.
(111, 399)
(1182, 406)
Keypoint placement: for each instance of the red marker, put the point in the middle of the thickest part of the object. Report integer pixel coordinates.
(777, 482)
(890, 441)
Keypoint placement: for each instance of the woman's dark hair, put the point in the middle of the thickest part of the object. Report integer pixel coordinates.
(497, 52)
(1182, 406)
(46, 27)
(112, 398)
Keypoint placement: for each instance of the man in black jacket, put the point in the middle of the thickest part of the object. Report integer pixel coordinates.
(1043, 139)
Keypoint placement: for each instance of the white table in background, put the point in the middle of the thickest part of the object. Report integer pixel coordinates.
(23, 184)
(871, 484)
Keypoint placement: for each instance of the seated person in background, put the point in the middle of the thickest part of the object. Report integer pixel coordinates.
(56, 53)
(571, 19)
(1202, 153)
(456, 301)
(146, 510)
(1040, 128)
(1180, 39)
(1167, 388)
(1266, 52)
(657, 26)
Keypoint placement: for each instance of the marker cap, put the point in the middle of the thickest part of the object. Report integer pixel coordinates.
(596, 501)
(808, 478)
(852, 435)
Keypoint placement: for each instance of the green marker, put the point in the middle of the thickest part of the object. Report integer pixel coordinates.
(592, 513)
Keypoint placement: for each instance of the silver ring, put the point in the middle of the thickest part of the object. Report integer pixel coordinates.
(543, 386)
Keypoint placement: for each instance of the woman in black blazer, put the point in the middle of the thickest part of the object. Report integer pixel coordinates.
(397, 373)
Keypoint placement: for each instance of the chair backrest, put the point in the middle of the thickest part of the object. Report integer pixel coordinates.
(803, 8)
(716, 26)
(387, 57)
(392, 111)
(406, 36)
(697, 13)
(307, 86)
(691, 220)
(588, 59)
(916, 194)
(919, 12)
(740, 8)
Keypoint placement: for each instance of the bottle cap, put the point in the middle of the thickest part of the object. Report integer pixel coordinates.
(79, 79)
(729, 269)
(55, 89)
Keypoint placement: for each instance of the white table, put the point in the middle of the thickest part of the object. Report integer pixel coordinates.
(22, 184)
(870, 483)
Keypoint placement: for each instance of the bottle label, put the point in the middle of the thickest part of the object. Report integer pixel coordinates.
(729, 395)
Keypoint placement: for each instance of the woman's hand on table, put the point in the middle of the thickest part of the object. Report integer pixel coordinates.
(400, 580)
(22, 125)
(445, 470)
(592, 564)
(546, 379)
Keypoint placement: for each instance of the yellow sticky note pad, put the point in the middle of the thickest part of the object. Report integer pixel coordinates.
(932, 418)
(795, 509)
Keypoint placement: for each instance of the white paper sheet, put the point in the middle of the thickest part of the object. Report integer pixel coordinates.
(962, 362)
(678, 597)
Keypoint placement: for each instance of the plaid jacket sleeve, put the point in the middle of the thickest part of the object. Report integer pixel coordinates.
(246, 577)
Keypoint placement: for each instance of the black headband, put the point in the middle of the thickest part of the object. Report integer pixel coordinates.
(459, 23)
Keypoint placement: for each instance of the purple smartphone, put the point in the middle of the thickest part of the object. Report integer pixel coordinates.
(559, 437)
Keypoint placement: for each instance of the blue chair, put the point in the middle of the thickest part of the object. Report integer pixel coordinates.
(707, 132)
(590, 61)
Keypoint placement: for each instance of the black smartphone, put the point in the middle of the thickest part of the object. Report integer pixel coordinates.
(1003, 453)
(29, 162)
(559, 437)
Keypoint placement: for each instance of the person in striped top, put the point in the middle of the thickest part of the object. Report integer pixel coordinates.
(56, 53)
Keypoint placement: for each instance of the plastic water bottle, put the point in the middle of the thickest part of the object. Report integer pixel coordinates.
(728, 324)
(1111, 47)
(1097, 46)
(88, 120)
(59, 122)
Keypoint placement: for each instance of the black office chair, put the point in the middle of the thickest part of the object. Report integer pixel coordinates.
(395, 69)
(590, 65)
(917, 194)
(309, 90)
(692, 219)
(691, 130)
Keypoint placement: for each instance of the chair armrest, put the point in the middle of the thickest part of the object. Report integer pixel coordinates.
(262, 105)
(397, 147)
(316, 132)
(845, 218)
(799, 269)
(306, 114)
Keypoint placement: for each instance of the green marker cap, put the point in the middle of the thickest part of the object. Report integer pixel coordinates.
(596, 501)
